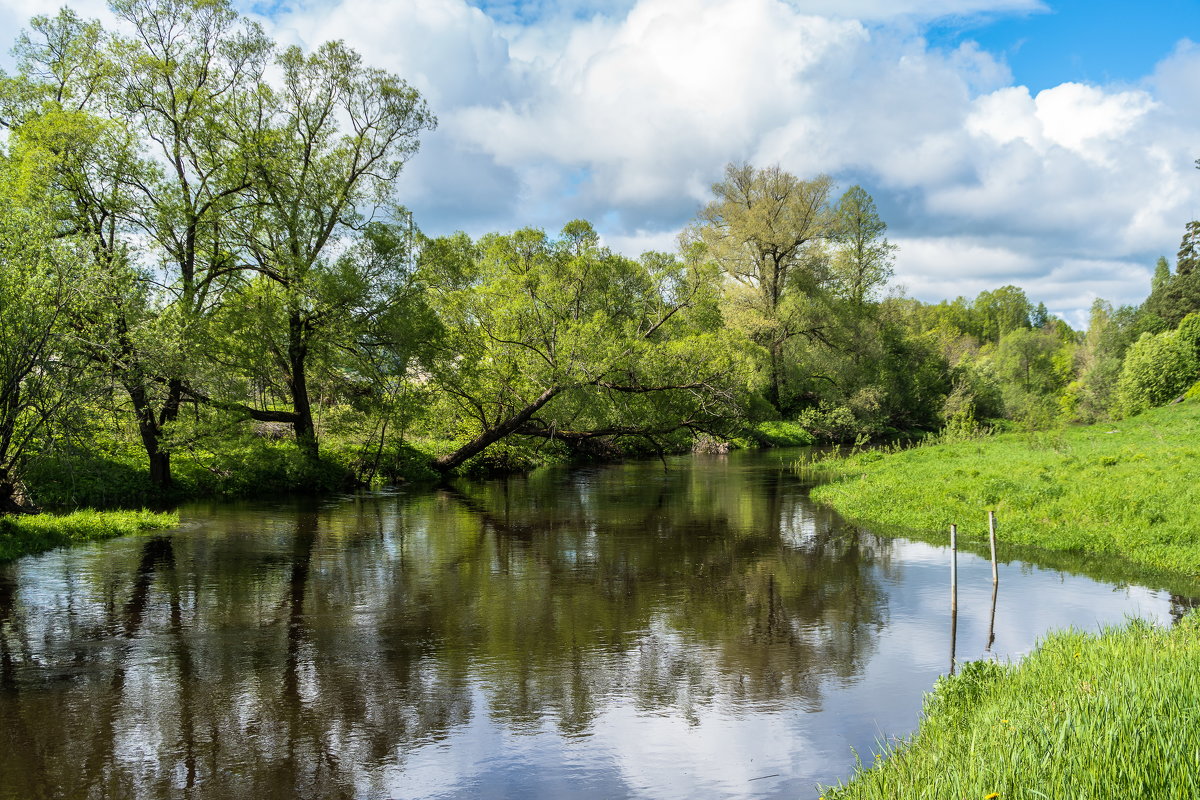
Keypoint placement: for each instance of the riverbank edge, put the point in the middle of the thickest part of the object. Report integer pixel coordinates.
(114, 476)
(1085, 715)
(30, 534)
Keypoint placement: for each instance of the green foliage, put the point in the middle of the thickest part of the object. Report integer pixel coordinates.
(765, 228)
(72, 477)
(1090, 396)
(830, 424)
(1001, 311)
(35, 533)
(1162, 274)
(562, 339)
(1157, 369)
(863, 257)
(976, 393)
(781, 433)
(514, 456)
(41, 283)
(1086, 715)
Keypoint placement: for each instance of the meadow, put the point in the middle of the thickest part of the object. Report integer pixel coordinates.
(1126, 488)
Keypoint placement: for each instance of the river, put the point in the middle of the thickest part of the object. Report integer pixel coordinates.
(691, 629)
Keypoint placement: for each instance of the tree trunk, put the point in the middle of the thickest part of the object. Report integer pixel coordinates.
(302, 422)
(775, 390)
(495, 433)
(151, 433)
(12, 498)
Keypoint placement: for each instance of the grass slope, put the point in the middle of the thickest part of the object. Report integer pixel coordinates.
(1130, 488)
(1087, 717)
(24, 535)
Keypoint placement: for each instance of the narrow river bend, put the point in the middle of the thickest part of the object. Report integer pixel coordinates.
(618, 631)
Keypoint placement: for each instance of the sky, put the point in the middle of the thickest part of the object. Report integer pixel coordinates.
(1048, 144)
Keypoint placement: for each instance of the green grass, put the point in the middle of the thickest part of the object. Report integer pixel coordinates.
(1114, 715)
(35, 533)
(1128, 489)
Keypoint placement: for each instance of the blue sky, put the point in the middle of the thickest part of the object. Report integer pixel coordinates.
(1088, 41)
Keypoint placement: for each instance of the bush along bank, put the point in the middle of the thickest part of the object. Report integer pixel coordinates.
(1085, 716)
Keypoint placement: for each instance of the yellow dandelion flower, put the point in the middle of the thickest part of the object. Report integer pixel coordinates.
(991, 796)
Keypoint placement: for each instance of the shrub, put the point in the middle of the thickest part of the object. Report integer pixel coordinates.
(830, 423)
(1157, 369)
(781, 434)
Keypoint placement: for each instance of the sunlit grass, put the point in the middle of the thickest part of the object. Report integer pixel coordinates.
(25, 534)
(1130, 488)
(1108, 715)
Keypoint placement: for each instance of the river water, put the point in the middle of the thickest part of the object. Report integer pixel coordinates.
(690, 630)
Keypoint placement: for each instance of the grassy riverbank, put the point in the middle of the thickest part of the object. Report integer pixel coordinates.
(35, 533)
(1129, 488)
(1084, 716)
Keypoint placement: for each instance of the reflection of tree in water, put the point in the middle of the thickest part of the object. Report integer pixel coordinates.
(170, 689)
(689, 586)
(303, 654)
(1181, 605)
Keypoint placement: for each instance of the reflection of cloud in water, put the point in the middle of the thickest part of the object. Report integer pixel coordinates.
(1030, 599)
(719, 755)
(628, 752)
(801, 528)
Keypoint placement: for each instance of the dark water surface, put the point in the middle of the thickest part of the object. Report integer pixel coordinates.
(621, 631)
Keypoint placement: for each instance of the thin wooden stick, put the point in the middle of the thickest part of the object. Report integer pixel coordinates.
(953, 567)
(953, 593)
(992, 539)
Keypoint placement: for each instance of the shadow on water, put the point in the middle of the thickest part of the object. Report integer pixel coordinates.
(619, 631)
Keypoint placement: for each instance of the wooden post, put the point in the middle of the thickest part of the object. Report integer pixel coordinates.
(953, 567)
(953, 593)
(992, 539)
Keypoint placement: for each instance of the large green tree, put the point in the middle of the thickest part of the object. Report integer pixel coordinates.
(1175, 295)
(863, 257)
(41, 279)
(334, 136)
(151, 125)
(366, 328)
(765, 227)
(201, 180)
(560, 338)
